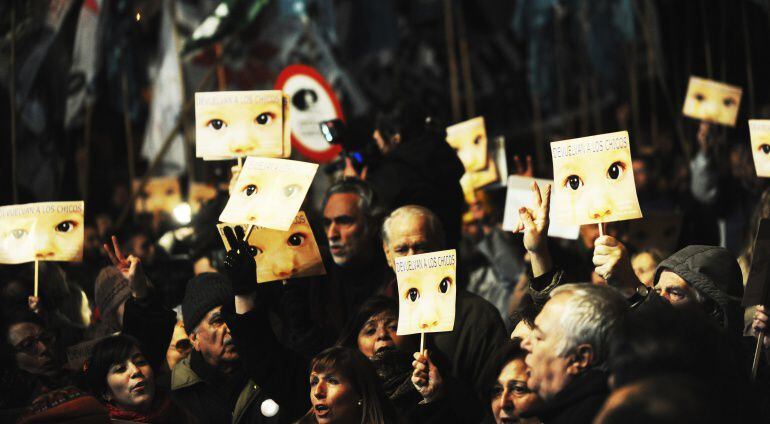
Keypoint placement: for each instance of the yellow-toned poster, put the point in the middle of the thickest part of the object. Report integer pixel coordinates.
(474, 180)
(427, 292)
(593, 180)
(161, 194)
(49, 231)
(232, 124)
(712, 101)
(199, 194)
(469, 139)
(282, 255)
(269, 192)
(760, 146)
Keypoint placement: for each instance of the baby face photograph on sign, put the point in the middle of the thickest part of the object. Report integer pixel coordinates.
(269, 192)
(282, 255)
(760, 146)
(161, 194)
(232, 124)
(49, 231)
(469, 139)
(427, 292)
(593, 180)
(712, 101)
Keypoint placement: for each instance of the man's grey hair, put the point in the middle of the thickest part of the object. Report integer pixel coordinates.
(436, 230)
(367, 200)
(592, 314)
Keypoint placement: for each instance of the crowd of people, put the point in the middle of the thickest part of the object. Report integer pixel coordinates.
(170, 327)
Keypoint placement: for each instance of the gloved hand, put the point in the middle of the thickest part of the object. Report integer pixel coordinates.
(240, 265)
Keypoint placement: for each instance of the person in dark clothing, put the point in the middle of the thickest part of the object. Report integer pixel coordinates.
(316, 311)
(373, 333)
(418, 167)
(660, 340)
(708, 276)
(478, 328)
(237, 371)
(121, 377)
(568, 349)
(662, 400)
(508, 396)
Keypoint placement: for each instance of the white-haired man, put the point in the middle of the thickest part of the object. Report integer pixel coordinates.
(567, 350)
(478, 329)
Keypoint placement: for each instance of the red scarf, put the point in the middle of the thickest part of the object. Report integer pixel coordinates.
(160, 412)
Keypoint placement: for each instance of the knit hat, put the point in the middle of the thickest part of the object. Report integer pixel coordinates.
(204, 292)
(110, 292)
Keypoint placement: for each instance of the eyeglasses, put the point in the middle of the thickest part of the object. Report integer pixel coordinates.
(32, 345)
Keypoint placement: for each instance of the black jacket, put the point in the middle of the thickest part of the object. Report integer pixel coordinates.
(715, 273)
(578, 402)
(424, 172)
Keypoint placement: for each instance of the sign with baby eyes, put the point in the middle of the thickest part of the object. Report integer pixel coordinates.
(269, 192)
(469, 139)
(760, 145)
(712, 101)
(519, 194)
(233, 124)
(427, 292)
(282, 255)
(48, 231)
(593, 180)
(160, 194)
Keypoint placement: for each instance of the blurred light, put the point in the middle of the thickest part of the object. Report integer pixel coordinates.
(183, 213)
(269, 408)
(138, 16)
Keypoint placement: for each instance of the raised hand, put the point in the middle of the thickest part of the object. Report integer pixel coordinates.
(534, 222)
(130, 268)
(523, 170)
(116, 257)
(426, 378)
(614, 264)
(239, 263)
(760, 323)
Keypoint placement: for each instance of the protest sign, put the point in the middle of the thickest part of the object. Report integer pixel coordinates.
(269, 192)
(712, 101)
(282, 255)
(760, 146)
(427, 292)
(520, 194)
(234, 124)
(161, 194)
(593, 180)
(469, 139)
(48, 231)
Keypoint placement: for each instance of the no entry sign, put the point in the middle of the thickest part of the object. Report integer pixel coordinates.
(312, 101)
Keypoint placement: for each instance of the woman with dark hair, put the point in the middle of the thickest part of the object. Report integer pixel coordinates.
(344, 389)
(414, 384)
(508, 396)
(120, 376)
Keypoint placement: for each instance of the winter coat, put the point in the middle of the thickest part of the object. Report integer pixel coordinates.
(715, 273)
(424, 172)
(578, 402)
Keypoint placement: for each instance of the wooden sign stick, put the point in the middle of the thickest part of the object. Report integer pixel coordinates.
(757, 353)
(601, 229)
(422, 343)
(36, 275)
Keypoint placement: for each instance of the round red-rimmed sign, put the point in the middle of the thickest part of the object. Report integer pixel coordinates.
(311, 101)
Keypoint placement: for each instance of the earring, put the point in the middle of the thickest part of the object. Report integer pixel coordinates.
(360, 402)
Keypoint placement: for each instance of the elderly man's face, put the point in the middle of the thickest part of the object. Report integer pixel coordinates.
(548, 371)
(408, 235)
(213, 340)
(674, 289)
(344, 225)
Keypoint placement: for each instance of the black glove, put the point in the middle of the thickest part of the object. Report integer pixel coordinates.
(240, 265)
